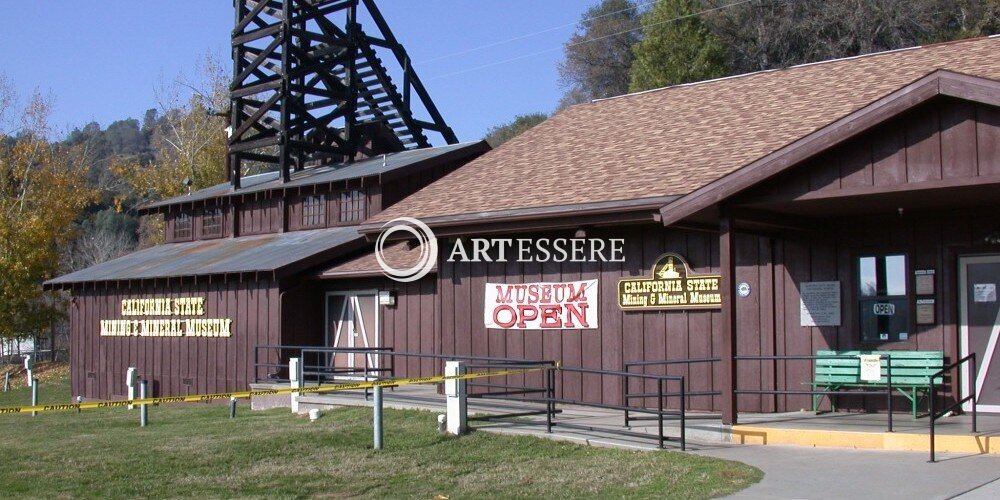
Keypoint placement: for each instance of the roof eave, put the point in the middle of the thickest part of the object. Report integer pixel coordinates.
(277, 273)
(538, 218)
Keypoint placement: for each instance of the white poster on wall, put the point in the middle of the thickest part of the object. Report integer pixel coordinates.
(569, 305)
(819, 303)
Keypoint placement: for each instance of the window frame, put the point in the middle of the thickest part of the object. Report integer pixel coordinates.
(313, 211)
(909, 297)
(360, 213)
(210, 213)
(175, 234)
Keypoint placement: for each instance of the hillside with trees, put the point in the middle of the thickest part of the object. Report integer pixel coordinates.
(623, 46)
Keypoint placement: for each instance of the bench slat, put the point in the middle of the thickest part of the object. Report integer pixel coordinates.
(909, 368)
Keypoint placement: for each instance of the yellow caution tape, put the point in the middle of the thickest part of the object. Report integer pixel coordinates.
(194, 398)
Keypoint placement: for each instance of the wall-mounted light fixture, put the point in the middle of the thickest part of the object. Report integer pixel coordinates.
(387, 297)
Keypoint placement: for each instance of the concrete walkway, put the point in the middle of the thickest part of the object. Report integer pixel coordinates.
(817, 473)
(790, 471)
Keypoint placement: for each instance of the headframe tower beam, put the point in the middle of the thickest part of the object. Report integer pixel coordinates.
(310, 86)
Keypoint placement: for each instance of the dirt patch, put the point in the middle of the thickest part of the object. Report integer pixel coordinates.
(45, 371)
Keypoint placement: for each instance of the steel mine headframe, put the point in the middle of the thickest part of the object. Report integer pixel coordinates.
(308, 90)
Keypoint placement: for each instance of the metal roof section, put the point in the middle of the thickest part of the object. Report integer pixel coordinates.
(391, 164)
(274, 253)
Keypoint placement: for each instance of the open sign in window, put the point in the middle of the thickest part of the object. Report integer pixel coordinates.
(883, 298)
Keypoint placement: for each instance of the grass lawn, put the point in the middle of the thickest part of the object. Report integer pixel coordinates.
(195, 450)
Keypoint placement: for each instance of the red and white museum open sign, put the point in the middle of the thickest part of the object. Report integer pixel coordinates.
(542, 306)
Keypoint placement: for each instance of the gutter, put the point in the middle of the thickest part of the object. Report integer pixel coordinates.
(645, 208)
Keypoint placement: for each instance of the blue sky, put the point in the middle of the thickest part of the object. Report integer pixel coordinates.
(101, 60)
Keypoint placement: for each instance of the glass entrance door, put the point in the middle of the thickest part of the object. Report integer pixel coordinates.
(979, 327)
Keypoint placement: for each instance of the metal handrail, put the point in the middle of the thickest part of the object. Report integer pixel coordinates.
(685, 361)
(516, 393)
(550, 398)
(258, 364)
(626, 394)
(661, 395)
(971, 359)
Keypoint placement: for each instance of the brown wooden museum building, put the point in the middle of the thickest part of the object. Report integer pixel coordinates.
(845, 205)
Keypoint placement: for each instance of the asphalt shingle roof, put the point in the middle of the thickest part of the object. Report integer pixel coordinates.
(674, 140)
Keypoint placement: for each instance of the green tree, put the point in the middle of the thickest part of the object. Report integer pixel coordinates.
(769, 34)
(598, 56)
(500, 134)
(676, 47)
(43, 189)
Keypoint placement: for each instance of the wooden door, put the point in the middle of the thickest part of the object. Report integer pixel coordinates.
(979, 330)
(352, 323)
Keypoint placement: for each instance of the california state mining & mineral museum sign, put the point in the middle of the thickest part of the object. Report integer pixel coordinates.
(671, 285)
(188, 325)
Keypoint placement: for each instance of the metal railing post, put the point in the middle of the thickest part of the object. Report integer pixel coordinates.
(625, 398)
(975, 390)
(683, 416)
(34, 395)
(232, 407)
(933, 415)
(378, 417)
(659, 413)
(888, 388)
(366, 374)
(143, 408)
(551, 393)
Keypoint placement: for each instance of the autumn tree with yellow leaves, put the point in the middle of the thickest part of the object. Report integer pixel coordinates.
(43, 189)
(189, 145)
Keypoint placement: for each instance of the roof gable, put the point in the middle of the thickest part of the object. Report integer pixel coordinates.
(938, 83)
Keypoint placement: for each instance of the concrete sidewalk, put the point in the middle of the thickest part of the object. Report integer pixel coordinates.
(818, 473)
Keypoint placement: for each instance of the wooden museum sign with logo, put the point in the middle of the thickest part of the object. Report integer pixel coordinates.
(671, 285)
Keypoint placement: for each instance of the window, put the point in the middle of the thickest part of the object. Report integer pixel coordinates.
(352, 206)
(211, 223)
(182, 227)
(314, 211)
(883, 298)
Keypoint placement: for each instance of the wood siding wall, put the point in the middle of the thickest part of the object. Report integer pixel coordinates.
(768, 321)
(621, 337)
(399, 188)
(173, 366)
(272, 215)
(198, 225)
(260, 216)
(940, 143)
(373, 205)
(409, 326)
(930, 241)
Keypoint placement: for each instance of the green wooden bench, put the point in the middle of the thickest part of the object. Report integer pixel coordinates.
(911, 371)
